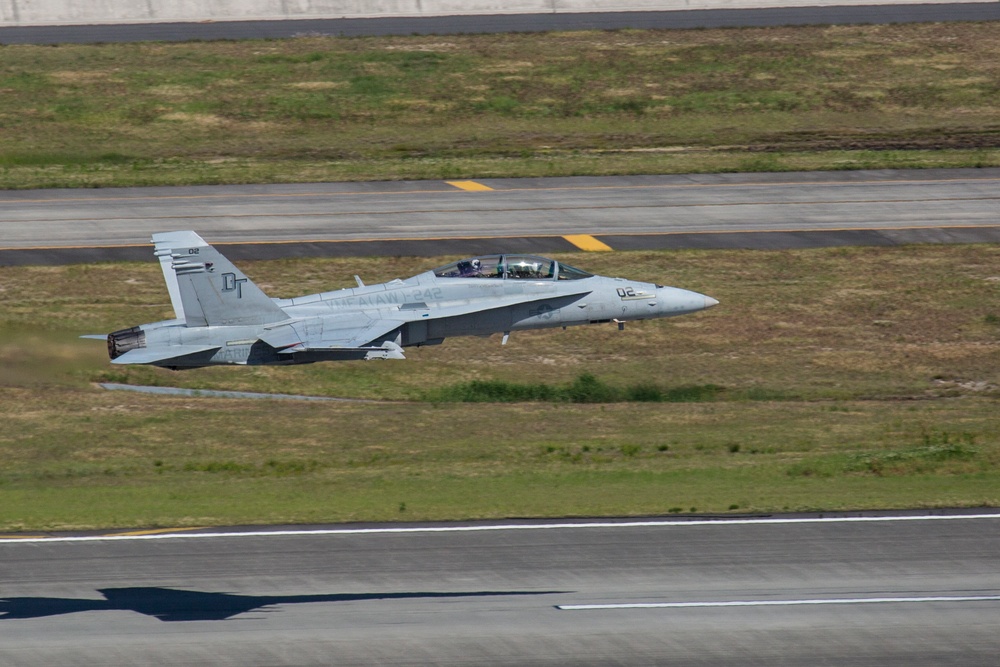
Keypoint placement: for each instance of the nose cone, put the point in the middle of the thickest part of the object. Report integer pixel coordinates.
(676, 301)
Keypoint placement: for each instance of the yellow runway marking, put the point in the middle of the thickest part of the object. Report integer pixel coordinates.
(478, 186)
(471, 186)
(587, 242)
(155, 531)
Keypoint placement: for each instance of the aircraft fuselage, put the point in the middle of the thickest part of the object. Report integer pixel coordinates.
(223, 318)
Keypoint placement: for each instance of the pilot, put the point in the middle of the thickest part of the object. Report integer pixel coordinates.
(476, 269)
(468, 268)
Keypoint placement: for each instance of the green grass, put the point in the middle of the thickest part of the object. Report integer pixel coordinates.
(317, 108)
(845, 378)
(827, 379)
(213, 502)
(585, 388)
(122, 460)
(827, 324)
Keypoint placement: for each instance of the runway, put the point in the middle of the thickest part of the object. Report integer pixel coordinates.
(450, 25)
(769, 210)
(805, 590)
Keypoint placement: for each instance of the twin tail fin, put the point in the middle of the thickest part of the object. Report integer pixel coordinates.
(206, 289)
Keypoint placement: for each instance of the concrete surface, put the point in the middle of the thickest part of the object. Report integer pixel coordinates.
(74, 12)
(425, 218)
(461, 595)
(185, 30)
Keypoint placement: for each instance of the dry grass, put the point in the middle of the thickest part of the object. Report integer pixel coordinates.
(830, 323)
(480, 105)
(866, 377)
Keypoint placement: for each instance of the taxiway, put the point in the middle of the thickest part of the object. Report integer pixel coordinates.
(781, 210)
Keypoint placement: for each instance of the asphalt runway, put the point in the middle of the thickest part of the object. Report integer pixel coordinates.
(423, 218)
(450, 25)
(914, 591)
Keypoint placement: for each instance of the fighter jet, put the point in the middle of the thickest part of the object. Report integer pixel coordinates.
(222, 317)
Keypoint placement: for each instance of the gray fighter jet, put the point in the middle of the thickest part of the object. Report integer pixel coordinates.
(222, 317)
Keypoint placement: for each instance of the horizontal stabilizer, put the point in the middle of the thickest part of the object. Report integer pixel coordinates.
(160, 355)
(95, 336)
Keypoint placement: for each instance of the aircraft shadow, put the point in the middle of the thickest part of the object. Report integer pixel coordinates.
(169, 604)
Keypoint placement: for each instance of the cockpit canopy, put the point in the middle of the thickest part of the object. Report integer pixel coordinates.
(510, 267)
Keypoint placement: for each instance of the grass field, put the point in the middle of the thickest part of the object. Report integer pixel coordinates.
(310, 109)
(828, 379)
(843, 379)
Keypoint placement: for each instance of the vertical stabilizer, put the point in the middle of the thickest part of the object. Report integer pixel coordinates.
(206, 289)
(170, 278)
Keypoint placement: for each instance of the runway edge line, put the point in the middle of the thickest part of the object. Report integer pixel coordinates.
(497, 527)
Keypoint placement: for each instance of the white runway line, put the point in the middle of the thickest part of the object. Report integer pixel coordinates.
(497, 527)
(775, 603)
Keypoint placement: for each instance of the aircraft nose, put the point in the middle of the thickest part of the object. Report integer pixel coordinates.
(677, 301)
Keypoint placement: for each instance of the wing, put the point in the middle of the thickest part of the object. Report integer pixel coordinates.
(353, 333)
(432, 312)
(359, 331)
